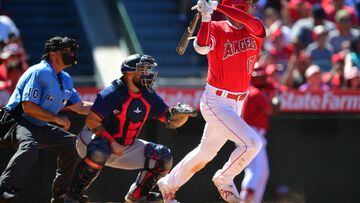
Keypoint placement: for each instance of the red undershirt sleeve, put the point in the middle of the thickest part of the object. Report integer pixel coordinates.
(251, 23)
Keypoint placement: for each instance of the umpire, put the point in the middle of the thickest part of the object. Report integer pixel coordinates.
(41, 92)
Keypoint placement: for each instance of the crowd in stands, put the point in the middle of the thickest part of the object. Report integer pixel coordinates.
(316, 44)
(311, 44)
(12, 58)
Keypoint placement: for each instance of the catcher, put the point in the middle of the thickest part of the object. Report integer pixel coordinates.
(115, 120)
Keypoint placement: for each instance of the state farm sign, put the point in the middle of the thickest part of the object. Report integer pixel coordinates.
(332, 101)
(291, 101)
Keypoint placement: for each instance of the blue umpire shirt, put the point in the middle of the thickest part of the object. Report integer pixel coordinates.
(40, 84)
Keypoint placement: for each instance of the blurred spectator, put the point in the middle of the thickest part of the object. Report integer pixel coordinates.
(4, 96)
(355, 53)
(274, 74)
(272, 23)
(301, 31)
(276, 4)
(320, 51)
(332, 7)
(313, 80)
(352, 58)
(279, 51)
(298, 9)
(353, 79)
(258, 8)
(295, 71)
(336, 78)
(14, 71)
(7, 29)
(12, 52)
(344, 31)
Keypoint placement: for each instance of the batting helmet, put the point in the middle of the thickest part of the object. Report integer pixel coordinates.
(241, 4)
(143, 64)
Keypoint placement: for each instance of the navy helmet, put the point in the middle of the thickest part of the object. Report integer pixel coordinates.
(144, 64)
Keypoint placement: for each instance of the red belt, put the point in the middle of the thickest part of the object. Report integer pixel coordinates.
(236, 97)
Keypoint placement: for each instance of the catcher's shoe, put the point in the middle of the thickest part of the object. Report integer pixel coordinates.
(228, 192)
(76, 198)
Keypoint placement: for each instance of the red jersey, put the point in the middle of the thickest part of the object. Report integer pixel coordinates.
(233, 54)
(257, 109)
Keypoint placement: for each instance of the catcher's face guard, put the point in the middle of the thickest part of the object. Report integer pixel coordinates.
(147, 74)
(144, 66)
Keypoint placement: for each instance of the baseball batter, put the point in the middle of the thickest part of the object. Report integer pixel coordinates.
(232, 47)
(116, 119)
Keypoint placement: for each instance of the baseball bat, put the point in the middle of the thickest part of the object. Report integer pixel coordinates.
(189, 31)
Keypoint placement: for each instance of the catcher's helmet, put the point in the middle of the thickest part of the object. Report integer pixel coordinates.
(144, 64)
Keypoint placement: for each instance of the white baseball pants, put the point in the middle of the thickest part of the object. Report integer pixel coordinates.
(223, 122)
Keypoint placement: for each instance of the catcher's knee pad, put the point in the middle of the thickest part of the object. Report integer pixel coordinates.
(158, 158)
(98, 151)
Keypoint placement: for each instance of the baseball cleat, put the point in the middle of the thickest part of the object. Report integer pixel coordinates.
(152, 197)
(228, 192)
(169, 197)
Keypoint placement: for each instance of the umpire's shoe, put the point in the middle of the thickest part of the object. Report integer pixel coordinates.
(76, 198)
(9, 196)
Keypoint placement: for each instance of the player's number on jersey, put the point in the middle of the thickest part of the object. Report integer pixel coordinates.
(34, 93)
(250, 64)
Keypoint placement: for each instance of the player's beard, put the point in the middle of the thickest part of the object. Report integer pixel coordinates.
(138, 84)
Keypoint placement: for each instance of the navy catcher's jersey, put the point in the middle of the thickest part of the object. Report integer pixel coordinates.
(124, 112)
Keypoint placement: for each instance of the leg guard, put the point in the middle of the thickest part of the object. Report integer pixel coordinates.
(158, 163)
(89, 168)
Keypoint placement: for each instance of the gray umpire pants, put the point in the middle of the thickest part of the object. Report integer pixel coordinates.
(29, 139)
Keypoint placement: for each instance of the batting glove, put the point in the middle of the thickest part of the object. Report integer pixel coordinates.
(206, 8)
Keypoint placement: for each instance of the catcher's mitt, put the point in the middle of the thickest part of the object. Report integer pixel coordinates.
(179, 115)
(183, 109)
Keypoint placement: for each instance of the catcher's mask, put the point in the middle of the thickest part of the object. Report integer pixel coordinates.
(144, 65)
(240, 4)
(62, 44)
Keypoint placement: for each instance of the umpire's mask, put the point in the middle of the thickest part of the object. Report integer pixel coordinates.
(62, 44)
